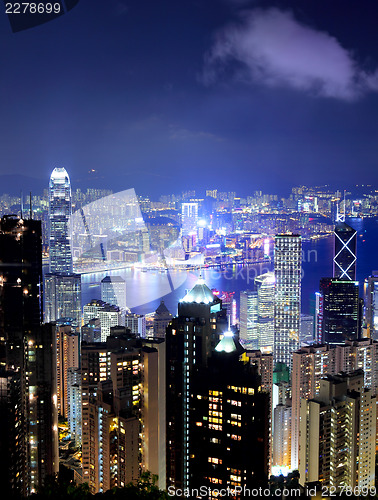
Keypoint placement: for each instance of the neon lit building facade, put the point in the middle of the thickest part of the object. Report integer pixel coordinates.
(60, 210)
(287, 310)
(345, 256)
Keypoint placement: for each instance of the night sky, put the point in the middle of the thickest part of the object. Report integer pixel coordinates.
(168, 95)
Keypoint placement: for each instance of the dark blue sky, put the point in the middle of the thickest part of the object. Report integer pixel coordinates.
(167, 95)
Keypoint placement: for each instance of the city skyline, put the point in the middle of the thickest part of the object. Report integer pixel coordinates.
(188, 248)
(258, 92)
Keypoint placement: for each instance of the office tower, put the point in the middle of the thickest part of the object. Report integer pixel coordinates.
(318, 317)
(249, 330)
(287, 308)
(162, 319)
(63, 298)
(92, 310)
(74, 404)
(371, 305)
(136, 323)
(229, 417)
(190, 339)
(123, 410)
(189, 218)
(60, 210)
(67, 357)
(62, 287)
(265, 285)
(338, 434)
(345, 255)
(306, 335)
(28, 436)
(113, 291)
(341, 310)
(108, 315)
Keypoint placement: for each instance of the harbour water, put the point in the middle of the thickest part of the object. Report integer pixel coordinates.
(145, 289)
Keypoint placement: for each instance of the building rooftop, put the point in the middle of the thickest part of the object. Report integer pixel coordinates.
(229, 344)
(200, 293)
(113, 279)
(162, 309)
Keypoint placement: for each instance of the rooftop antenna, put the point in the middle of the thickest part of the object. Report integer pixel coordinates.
(31, 209)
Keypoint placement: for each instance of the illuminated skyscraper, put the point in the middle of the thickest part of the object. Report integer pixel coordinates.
(189, 218)
(371, 305)
(60, 210)
(341, 310)
(249, 329)
(217, 410)
(28, 397)
(190, 339)
(63, 298)
(287, 308)
(113, 291)
(345, 256)
(265, 285)
(62, 287)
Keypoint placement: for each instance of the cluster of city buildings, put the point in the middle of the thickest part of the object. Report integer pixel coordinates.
(202, 399)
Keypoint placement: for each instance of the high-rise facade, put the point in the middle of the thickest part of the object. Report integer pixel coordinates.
(108, 315)
(312, 363)
(63, 298)
(217, 410)
(306, 335)
(287, 308)
(371, 305)
(60, 211)
(189, 218)
(123, 410)
(113, 291)
(249, 327)
(62, 287)
(190, 339)
(136, 323)
(28, 399)
(229, 417)
(67, 358)
(341, 310)
(338, 434)
(345, 252)
(265, 285)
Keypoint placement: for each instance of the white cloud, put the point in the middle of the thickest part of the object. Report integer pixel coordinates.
(272, 48)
